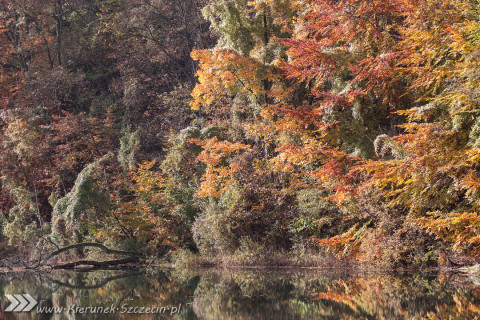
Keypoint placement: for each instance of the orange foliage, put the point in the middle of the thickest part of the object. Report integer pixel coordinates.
(219, 175)
(346, 244)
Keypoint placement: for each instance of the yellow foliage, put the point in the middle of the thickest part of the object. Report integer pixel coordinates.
(144, 213)
(221, 73)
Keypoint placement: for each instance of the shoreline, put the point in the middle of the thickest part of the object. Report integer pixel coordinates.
(473, 270)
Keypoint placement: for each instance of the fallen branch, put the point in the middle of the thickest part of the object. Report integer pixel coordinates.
(96, 264)
(132, 257)
(92, 244)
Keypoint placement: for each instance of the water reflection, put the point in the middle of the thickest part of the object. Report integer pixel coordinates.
(243, 294)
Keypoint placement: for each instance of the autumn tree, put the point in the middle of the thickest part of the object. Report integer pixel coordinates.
(434, 177)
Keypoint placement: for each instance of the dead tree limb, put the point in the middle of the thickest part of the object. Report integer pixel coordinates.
(96, 264)
(92, 244)
(132, 257)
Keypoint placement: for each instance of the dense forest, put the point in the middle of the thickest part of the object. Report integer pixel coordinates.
(242, 132)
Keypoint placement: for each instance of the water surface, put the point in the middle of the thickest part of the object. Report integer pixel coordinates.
(243, 294)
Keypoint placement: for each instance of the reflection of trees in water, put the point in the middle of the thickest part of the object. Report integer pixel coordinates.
(466, 306)
(388, 297)
(61, 289)
(101, 283)
(253, 294)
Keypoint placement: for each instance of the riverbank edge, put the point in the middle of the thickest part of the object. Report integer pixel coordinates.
(469, 270)
(187, 260)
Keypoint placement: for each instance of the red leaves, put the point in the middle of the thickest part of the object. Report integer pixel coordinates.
(311, 61)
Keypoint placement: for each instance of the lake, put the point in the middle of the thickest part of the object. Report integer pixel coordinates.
(243, 294)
